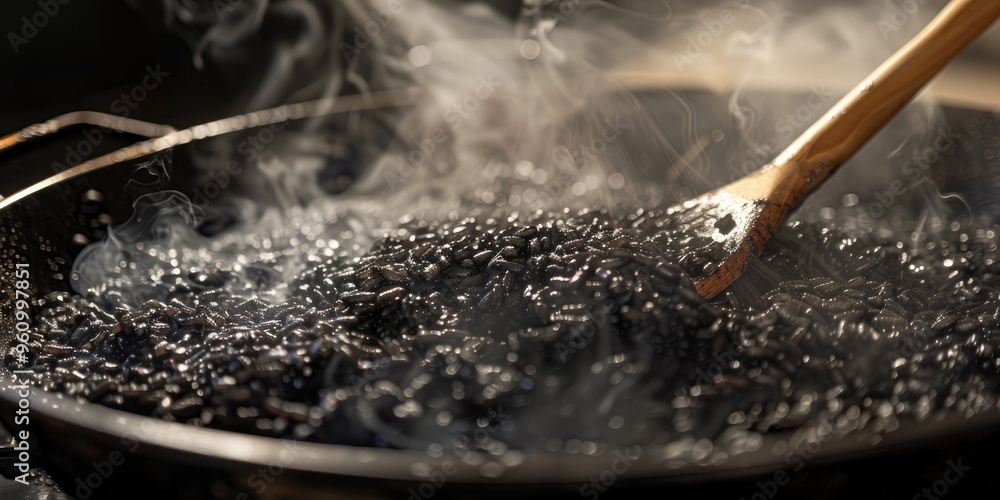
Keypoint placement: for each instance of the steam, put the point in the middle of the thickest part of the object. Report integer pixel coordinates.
(519, 117)
(142, 244)
(823, 51)
(522, 114)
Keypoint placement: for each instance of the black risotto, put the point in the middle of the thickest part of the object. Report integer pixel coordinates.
(561, 332)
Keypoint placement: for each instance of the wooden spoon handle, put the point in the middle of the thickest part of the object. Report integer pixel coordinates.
(832, 140)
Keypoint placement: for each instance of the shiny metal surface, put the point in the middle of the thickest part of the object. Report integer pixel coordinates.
(163, 138)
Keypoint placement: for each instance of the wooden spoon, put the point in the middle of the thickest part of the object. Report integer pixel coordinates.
(721, 230)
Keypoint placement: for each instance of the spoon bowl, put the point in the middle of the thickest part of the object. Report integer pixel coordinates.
(717, 233)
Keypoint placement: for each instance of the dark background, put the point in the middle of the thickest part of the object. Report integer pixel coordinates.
(85, 57)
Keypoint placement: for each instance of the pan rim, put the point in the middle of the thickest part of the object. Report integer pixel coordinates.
(538, 467)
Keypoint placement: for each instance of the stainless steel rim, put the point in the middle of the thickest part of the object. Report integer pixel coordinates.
(157, 437)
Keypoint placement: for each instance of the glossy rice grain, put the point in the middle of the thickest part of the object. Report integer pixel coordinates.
(548, 332)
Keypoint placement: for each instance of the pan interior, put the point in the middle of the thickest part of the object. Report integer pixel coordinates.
(44, 237)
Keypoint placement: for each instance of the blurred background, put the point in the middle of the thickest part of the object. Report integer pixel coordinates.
(216, 59)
